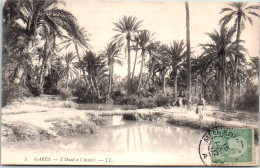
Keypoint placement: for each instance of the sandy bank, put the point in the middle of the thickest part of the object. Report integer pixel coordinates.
(34, 119)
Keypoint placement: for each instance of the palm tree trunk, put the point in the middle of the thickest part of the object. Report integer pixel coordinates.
(188, 51)
(195, 89)
(203, 83)
(149, 77)
(129, 62)
(233, 81)
(239, 88)
(160, 78)
(44, 62)
(218, 90)
(81, 66)
(50, 44)
(223, 92)
(163, 78)
(43, 73)
(223, 84)
(153, 78)
(141, 71)
(247, 91)
(174, 74)
(175, 84)
(232, 93)
(133, 73)
(97, 88)
(67, 84)
(110, 79)
(91, 84)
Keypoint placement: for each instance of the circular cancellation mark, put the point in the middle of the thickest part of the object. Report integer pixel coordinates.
(205, 149)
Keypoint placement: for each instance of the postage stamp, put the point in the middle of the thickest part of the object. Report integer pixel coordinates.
(232, 146)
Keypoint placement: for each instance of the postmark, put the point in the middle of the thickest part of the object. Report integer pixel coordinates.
(232, 146)
(205, 149)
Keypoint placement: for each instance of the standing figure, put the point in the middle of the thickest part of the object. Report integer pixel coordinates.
(182, 98)
(200, 106)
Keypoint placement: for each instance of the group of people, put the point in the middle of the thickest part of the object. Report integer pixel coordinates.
(200, 103)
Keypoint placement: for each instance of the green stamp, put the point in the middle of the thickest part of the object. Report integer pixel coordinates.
(232, 146)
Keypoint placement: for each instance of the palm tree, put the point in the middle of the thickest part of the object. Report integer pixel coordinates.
(188, 50)
(254, 64)
(41, 16)
(15, 45)
(80, 39)
(136, 48)
(47, 53)
(163, 65)
(221, 46)
(177, 53)
(206, 65)
(111, 53)
(127, 26)
(153, 51)
(145, 38)
(15, 49)
(96, 69)
(69, 69)
(55, 74)
(241, 12)
(252, 72)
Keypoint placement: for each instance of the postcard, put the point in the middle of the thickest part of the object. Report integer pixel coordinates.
(135, 83)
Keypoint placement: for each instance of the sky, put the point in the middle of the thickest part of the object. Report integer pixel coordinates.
(165, 19)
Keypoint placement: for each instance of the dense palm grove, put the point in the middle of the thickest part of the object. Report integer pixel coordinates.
(41, 55)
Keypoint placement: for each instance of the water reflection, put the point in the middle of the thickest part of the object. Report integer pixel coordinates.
(114, 120)
(126, 142)
(138, 137)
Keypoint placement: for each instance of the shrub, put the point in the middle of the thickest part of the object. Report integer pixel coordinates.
(108, 100)
(35, 89)
(128, 100)
(118, 97)
(65, 94)
(132, 100)
(153, 89)
(139, 101)
(248, 102)
(134, 85)
(51, 81)
(86, 96)
(13, 91)
(163, 100)
(147, 102)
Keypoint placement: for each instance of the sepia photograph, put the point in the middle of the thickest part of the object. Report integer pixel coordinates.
(130, 83)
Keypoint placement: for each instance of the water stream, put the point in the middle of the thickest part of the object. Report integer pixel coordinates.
(143, 142)
(123, 142)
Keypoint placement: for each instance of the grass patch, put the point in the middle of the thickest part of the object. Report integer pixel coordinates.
(67, 127)
(21, 131)
(98, 120)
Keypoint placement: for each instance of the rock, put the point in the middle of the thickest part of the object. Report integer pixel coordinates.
(130, 116)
